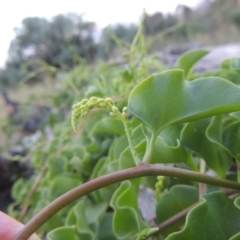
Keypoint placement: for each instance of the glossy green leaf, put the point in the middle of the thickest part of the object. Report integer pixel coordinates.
(215, 218)
(228, 74)
(235, 115)
(63, 183)
(163, 153)
(56, 165)
(204, 138)
(105, 228)
(167, 148)
(94, 211)
(82, 226)
(126, 220)
(177, 199)
(108, 126)
(231, 139)
(235, 237)
(126, 159)
(117, 146)
(137, 134)
(63, 233)
(166, 98)
(237, 202)
(81, 164)
(188, 59)
(108, 167)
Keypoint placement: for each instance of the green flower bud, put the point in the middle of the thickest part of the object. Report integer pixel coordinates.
(93, 99)
(115, 109)
(109, 100)
(113, 114)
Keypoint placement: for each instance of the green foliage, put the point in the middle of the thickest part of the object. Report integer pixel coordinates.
(146, 233)
(62, 233)
(169, 120)
(170, 203)
(158, 22)
(126, 213)
(113, 37)
(188, 59)
(61, 42)
(219, 219)
(181, 101)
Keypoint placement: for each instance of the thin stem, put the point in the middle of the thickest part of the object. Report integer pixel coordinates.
(30, 194)
(130, 142)
(176, 217)
(191, 163)
(108, 179)
(137, 38)
(149, 149)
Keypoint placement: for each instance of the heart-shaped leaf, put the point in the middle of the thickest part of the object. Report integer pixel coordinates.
(215, 218)
(177, 199)
(188, 59)
(166, 98)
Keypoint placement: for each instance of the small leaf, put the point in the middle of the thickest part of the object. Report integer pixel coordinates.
(165, 98)
(83, 228)
(117, 147)
(126, 159)
(109, 166)
(108, 126)
(162, 153)
(105, 228)
(231, 138)
(126, 219)
(63, 183)
(56, 165)
(204, 138)
(215, 218)
(235, 237)
(146, 233)
(235, 115)
(237, 202)
(188, 59)
(177, 199)
(63, 233)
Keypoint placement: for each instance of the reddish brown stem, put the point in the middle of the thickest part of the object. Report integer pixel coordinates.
(118, 176)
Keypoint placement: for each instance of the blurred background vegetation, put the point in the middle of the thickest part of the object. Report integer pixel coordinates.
(48, 47)
(54, 63)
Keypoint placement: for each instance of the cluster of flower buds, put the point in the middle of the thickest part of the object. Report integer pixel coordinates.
(159, 186)
(81, 109)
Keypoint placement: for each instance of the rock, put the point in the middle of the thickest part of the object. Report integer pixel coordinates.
(147, 204)
(217, 55)
(210, 62)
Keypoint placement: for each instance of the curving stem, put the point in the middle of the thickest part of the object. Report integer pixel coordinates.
(141, 170)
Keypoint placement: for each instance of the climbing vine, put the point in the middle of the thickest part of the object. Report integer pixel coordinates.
(171, 121)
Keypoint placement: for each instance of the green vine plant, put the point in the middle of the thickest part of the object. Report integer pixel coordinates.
(175, 133)
(81, 109)
(168, 119)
